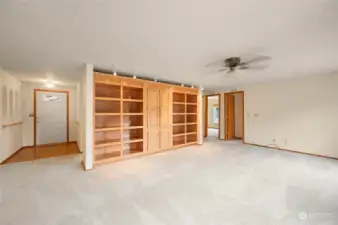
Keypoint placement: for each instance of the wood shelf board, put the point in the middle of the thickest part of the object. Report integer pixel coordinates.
(191, 113)
(132, 114)
(191, 133)
(132, 141)
(191, 103)
(193, 123)
(107, 143)
(107, 129)
(179, 103)
(180, 134)
(179, 124)
(107, 99)
(133, 127)
(179, 113)
(132, 152)
(107, 114)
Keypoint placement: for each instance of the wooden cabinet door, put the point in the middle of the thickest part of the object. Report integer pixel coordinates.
(165, 119)
(153, 114)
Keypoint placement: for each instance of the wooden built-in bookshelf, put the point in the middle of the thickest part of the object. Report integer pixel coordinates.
(134, 117)
(184, 118)
(118, 120)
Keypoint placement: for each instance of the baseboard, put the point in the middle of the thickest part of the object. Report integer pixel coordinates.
(291, 150)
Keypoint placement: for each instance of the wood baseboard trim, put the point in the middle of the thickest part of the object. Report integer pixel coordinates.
(291, 150)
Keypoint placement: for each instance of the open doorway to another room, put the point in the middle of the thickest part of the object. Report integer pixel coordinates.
(212, 117)
(234, 114)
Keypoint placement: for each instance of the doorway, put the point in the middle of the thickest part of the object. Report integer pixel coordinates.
(51, 117)
(234, 115)
(212, 116)
(51, 128)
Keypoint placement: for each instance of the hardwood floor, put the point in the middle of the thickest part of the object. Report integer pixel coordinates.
(41, 152)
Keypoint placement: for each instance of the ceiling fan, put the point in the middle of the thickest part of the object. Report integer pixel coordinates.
(238, 63)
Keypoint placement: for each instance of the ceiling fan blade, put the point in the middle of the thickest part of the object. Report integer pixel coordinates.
(252, 67)
(243, 67)
(259, 58)
(231, 71)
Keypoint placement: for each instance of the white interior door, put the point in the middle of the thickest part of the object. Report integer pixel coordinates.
(51, 117)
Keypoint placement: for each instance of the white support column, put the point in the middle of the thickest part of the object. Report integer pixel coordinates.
(88, 115)
(200, 116)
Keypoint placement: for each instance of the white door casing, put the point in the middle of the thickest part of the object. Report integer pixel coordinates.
(51, 117)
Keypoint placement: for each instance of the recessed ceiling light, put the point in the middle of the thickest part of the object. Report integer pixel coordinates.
(114, 73)
(134, 77)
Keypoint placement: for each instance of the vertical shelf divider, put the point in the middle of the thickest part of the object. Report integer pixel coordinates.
(121, 119)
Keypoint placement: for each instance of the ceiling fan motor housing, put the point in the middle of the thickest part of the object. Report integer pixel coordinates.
(232, 62)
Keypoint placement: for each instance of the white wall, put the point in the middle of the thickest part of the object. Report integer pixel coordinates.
(28, 108)
(10, 112)
(78, 115)
(297, 114)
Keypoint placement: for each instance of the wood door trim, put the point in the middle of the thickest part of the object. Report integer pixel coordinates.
(243, 111)
(206, 115)
(67, 105)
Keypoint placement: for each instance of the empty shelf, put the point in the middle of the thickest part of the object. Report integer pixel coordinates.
(133, 100)
(106, 156)
(107, 142)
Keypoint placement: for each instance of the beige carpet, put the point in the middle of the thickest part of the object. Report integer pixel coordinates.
(217, 183)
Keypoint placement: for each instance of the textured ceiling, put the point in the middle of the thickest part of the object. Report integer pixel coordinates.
(171, 40)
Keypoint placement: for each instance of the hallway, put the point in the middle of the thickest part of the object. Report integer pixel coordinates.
(41, 152)
(212, 134)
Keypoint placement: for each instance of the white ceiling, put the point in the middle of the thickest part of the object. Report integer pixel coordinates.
(171, 40)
